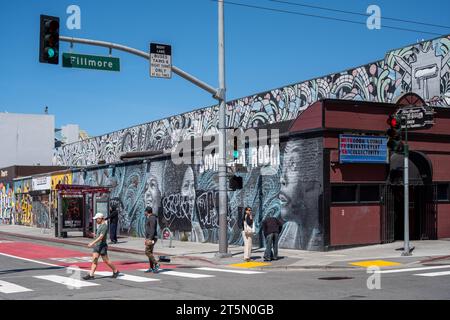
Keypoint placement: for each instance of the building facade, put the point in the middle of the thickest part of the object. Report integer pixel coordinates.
(325, 203)
(26, 139)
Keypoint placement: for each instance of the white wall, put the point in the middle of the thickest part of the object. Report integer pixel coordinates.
(26, 139)
(70, 133)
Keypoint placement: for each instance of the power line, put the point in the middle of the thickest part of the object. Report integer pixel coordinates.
(358, 13)
(322, 17)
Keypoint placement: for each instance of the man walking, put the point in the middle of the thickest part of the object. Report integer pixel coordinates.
(113, 218)
(150, 239)
(100, 247)
(271, 228)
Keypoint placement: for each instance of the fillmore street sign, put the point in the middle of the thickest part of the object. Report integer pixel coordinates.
(417, 117)
(72, 60)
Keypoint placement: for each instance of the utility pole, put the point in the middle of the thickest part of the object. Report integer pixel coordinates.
(223, 200)
(406, 249)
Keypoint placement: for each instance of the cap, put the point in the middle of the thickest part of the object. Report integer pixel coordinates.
(98, 216)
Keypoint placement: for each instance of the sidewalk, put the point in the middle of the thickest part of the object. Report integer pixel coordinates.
(203, 254)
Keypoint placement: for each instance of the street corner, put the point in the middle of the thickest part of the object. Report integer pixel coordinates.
(250, 264)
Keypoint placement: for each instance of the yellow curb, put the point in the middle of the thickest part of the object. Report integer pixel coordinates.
(375, 263)
(250, 264)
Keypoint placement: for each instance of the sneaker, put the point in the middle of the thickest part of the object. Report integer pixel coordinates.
(116, 274)
(88, 277)
(156, 268)
(148, 270)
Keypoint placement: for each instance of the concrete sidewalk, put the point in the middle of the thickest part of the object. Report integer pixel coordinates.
(203, 254)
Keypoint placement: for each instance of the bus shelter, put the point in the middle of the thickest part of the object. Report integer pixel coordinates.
(77, 204)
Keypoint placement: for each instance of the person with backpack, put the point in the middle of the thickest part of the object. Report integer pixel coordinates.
(150, 239)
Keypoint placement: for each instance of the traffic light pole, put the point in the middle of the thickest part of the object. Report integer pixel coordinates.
(406, 249)
(218, 94)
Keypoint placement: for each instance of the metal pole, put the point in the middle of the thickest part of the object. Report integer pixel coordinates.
(223, 205)
(144, 55)
(406, 249)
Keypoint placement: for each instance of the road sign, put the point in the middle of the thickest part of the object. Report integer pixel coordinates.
(160, 60)
(417, 117)
(72, 60)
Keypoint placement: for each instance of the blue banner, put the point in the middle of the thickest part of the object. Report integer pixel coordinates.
(363, 149)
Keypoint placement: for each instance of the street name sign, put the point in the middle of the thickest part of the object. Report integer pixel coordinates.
(417, 117)
(160, 60)
(72, 60)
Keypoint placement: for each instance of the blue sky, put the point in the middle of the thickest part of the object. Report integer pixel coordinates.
(264, 50)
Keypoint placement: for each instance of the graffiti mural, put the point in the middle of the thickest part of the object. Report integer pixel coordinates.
(6, 203)
(423, 68)
(24, 203)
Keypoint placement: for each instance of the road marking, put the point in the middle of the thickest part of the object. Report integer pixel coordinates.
(67, 281)
(413, 269)
(30, 260)
(7, 287)
(128, 277)
(231, 271)
(183, 274)
(375, 263)
(434, 274)
(250, 264)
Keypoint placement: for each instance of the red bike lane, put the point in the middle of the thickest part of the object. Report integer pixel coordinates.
(64, 257)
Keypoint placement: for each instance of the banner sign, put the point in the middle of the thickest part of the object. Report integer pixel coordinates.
(363, 149)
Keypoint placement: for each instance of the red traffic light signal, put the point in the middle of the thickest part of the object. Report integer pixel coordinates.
(394, 143)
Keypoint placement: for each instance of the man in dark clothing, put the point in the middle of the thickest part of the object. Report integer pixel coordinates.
(271, 228)
(151, 238)
(113, 218)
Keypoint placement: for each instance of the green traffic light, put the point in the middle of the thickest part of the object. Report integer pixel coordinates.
(51, 53)
(236, 154)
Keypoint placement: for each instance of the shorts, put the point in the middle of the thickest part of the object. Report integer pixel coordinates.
(101, 249)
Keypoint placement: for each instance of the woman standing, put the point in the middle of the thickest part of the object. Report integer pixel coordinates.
(247, 233)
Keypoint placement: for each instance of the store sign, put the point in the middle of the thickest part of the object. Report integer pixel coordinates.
(41, 183)
(3, 174)
(363, 149)
(417, 117)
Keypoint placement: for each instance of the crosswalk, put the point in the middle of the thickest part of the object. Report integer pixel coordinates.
(73, 282)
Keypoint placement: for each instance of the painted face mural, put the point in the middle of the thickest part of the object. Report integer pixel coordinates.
(179, 197)
(152, 195)
(299, 196)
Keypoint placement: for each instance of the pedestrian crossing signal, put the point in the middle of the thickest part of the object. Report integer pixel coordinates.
(236, 183)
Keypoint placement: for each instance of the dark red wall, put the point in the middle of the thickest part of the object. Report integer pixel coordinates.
(350, 225)
(443, 220)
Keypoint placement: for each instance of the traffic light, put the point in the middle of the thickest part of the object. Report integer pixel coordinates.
(395, 143)
(236, 183)
(49, 40)
(235, 148)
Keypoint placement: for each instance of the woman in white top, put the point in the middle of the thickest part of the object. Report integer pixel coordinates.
(247, 233)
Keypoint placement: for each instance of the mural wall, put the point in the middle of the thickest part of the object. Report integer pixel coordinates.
(6, 203)
(423, 68)
(185, 197)
(24, 203)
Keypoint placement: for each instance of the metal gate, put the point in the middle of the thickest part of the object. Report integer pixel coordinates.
(428, 217)
(387, 214)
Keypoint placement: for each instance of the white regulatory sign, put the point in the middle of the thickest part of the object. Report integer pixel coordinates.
(160, 60)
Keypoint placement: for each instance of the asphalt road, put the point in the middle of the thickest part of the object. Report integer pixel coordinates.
(32, 270)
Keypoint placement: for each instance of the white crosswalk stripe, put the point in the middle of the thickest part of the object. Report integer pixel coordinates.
(413, 269)
(230, 270)
(183, 274)
(67, 281)
(7, 287)
(434, 274)
(127, 277)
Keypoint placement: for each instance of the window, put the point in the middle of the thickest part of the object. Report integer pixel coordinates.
(369, 193)
(345, 193)
(442, 192)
